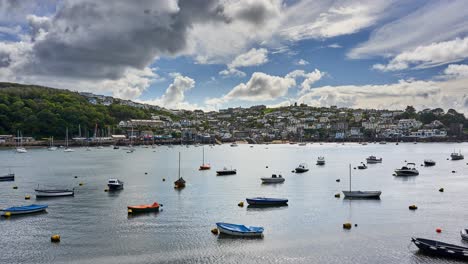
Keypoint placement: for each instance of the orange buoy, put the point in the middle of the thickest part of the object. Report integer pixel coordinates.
(439, 230)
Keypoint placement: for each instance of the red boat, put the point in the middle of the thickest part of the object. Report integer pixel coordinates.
(144, 208)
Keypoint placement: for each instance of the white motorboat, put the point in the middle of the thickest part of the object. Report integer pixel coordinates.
(302, 168)
(373, 160)
(360, 194)
(115, 184)
(273, 179)
(21, 150)
(408, 170)
(321, 160)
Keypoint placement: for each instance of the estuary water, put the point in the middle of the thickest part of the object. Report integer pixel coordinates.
(95, 228)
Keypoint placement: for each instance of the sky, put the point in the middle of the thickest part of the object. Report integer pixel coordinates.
(211, 55)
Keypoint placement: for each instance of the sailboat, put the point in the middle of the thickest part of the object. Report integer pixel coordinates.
(179, 183)
(67, 149)
(204, 166)
(52, 147)
(360, 194)
(20, 148)
(131, 149)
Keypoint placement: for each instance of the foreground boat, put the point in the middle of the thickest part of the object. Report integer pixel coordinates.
(239, 230)
(263, 201)
(373, 160)
(273, 179)
(429, 163)
(8, 177)
(115, 184)
(302, 168)
(360, 194)
(440, 249)
(408, 170)
(27, 209)
(144, 208)
(45, 193)
(226, 171)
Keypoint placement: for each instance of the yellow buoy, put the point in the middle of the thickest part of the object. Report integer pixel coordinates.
(7, 214)
(241, 204)
(413, 207)
(214, 231)
(81, 184)
(27, 197)
(15, 187)
(337, 195)
(347, 225)
(55, 238)
(129, 211)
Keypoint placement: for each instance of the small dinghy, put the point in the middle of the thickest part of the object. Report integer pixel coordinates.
(302, 168)
(273, 179)
(263, 201)
(464, 234)
(144, 208)
(226, 171)
(115, 184)
(27, 209)
(46, 193)
(362, 166)
(239, 230)
(440, 249)
(8, 177)
(429, 163)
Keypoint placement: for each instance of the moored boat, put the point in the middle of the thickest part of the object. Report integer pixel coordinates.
(440, 249)
(204, 166)
(263, 201)
(180, 182)
(408, 170)
(456, 156)
(429, 162)
(144, 208)
(46, 193)
(362, 166)
(9, 177)
(302, 168)
(226, 171)
(27, 209)
(234, 144)
(360, 194)
(115, 184)
(321, 160)
(239, 230)
(373, 160)
(273, 179)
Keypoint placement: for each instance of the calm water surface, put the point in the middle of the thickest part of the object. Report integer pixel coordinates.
(95, 227)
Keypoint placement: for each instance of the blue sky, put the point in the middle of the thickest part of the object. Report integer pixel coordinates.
(217, 54)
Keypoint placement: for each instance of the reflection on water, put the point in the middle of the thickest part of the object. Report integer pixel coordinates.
(96, 228)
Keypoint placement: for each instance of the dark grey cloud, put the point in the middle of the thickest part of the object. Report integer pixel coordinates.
(101, 39)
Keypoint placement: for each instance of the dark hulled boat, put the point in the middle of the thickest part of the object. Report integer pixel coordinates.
(8, 177)
(441, 249)
(115, 184)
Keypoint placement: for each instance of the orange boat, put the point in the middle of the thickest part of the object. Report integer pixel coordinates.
(204, 166)
(144, 208)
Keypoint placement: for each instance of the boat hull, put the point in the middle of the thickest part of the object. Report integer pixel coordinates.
(115, 187)
(266, 201)
(149, 208)
(429, 163)
(53, 193)
(239, 230)
(7, 178)
(228, 172)
(272, 180)
(406, 173)
(436, 248)
(25, 209)
(362, 194)
(301, 170)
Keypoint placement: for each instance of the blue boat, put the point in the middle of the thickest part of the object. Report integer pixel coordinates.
(239, 230)
(27, 209)
(263, 201)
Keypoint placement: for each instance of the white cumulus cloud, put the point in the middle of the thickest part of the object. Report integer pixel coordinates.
(253, 57)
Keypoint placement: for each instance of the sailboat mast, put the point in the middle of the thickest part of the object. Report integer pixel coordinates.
(349, 177)
(179, 165)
